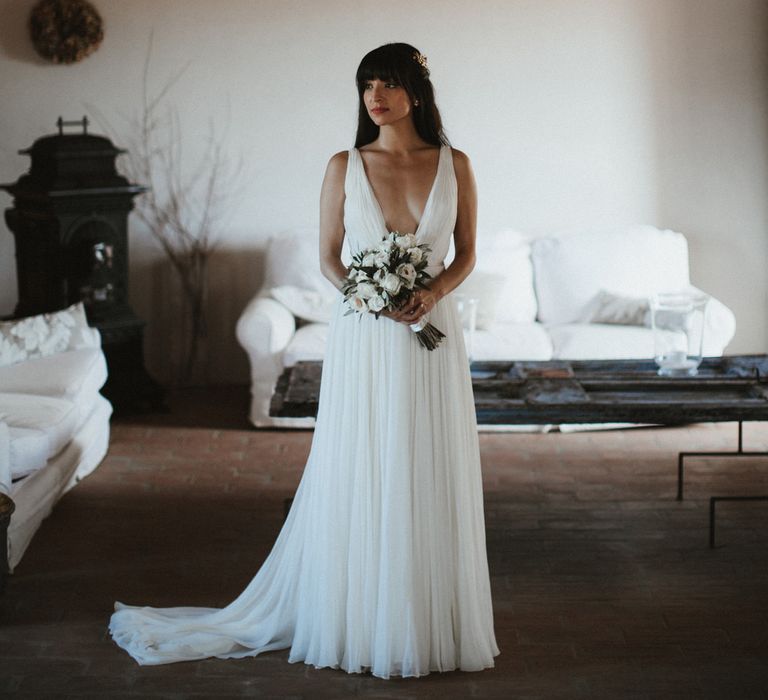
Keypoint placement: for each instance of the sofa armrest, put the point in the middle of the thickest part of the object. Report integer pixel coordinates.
(265, 327)
(719, 325)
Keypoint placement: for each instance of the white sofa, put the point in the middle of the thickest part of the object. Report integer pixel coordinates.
(54, 424)
(538, 299)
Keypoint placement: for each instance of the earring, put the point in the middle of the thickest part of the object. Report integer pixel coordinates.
(415, 103)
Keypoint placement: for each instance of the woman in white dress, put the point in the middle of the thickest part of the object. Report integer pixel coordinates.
(381, 564)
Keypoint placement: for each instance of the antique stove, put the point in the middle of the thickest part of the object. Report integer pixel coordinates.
(70, 222)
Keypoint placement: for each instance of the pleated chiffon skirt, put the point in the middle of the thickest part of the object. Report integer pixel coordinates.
(381, 564)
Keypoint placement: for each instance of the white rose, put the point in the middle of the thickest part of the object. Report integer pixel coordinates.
(407, 240)
(408, 273)
(415, 255)
(357, 304)
(386, 244)
(391, 283)
(361, 276)
(376, 304)
(365, 290)
(381, 258)
(368, 260)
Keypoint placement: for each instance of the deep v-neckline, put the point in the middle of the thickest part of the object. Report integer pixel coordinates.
(427, 204)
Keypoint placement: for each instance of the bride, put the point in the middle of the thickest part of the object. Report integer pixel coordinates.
(381, 564)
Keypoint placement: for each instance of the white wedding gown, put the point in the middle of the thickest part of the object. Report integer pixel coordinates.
(381, 563)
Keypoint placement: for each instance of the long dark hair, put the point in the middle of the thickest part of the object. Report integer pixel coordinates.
(402, 64)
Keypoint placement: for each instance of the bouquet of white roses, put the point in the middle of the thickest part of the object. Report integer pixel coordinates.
(382, 279)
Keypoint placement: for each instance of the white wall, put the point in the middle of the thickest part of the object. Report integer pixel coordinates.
(575, 113)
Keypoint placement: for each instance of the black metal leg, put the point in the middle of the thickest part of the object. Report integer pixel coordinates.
(714, 499)
(741, 441)
(738, 453)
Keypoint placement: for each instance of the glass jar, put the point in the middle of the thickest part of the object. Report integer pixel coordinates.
(677, 319)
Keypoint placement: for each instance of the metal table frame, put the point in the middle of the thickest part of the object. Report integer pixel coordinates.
(730, 388)
(714, 500)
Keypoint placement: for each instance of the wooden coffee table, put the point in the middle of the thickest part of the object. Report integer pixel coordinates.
(730, 388)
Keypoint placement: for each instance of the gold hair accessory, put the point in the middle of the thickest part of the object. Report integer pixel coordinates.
(421, 59)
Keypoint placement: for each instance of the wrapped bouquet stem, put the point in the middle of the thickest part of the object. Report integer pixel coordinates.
(383, 278)
(427, 334)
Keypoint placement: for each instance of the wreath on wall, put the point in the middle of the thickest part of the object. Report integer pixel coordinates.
(65, 31)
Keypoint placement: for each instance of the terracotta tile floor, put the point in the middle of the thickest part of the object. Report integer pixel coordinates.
(604, 586)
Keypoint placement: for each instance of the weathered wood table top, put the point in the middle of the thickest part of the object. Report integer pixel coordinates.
(730, 388)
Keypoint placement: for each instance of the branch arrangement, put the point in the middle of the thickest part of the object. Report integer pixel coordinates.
(182, 212)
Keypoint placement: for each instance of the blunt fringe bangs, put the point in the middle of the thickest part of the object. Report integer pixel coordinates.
(398, 63)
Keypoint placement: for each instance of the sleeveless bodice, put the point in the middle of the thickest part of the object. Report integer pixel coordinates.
(364, 222)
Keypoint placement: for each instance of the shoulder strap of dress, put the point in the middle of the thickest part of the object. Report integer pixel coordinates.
(446, 152)
(450, 171)
(352, 164)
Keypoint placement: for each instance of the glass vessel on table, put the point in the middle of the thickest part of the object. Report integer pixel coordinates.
(677, 319)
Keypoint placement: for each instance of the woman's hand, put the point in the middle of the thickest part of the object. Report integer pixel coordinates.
(419, 303)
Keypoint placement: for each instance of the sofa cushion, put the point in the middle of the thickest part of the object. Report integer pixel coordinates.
(513, 341)
(308, 343)
(29, 451)
(502, 280)
(45, 334)
(306, 304)
(571, 270)
(293, 260)
(598, 341)
(76, 375)
(58, 419)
